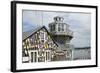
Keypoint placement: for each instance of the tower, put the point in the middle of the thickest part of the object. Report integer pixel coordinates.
(62, 35)
(60, 31)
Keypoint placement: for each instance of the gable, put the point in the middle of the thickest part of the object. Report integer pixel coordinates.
(40, 39)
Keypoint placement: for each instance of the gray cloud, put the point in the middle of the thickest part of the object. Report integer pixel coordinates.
(80, 23)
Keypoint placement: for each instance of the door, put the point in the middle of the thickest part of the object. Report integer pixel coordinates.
(41, 56)
(33, 56)
(44, 56)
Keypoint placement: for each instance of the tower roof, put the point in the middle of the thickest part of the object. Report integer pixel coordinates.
(58, 18)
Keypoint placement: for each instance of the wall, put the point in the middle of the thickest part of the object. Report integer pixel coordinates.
(5, 36)
(81, 54)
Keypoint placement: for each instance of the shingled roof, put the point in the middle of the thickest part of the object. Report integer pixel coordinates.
(27, 34)
(30, 32)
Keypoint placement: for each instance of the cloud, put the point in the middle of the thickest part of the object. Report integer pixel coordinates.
(32, 17)
(80, 24)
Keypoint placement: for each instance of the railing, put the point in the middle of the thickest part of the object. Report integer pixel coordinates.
(70, 33)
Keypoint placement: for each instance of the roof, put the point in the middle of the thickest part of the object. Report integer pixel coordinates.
(27, 34)
(58, 17)
(30, 32)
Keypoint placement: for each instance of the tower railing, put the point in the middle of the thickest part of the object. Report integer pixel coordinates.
(69, 33)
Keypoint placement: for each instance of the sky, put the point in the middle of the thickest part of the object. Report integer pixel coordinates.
(80, 24)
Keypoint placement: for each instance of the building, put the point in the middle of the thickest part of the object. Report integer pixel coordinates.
(82, 53)
(41, 45)
(38, 46)
(62, 35)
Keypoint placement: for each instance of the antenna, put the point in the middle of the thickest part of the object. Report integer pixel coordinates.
(42, 17)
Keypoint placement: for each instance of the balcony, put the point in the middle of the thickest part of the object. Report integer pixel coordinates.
(66, 33)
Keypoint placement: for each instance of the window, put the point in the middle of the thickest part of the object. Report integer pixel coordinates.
(35, 56)
(67, 27)
(60, 27)
(53, 27)
(47, 55)
(33, 40)
(25, 52)
(50, 28)
(42, 41)
(31, 56)
(41, 35)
